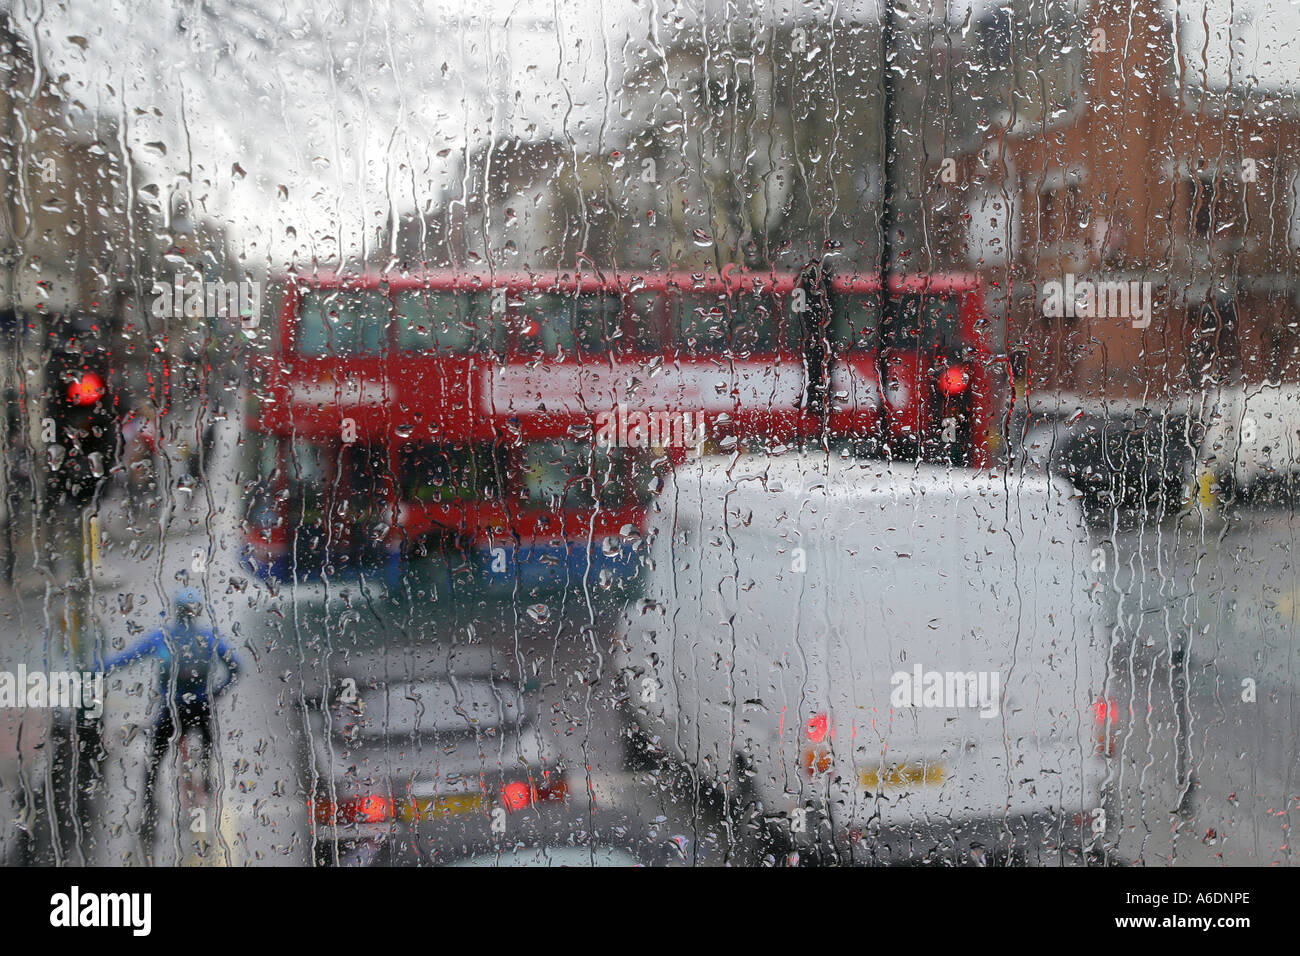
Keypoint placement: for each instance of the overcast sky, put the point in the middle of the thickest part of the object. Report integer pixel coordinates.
(301, 123)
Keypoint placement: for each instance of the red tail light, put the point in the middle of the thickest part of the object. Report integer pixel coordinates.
(518, 795)
(953, 380)
(371, 808)
(1104, 712)
(1103, 709)
(86, 390)
(816, 728)
(816, 755)
(557, 789)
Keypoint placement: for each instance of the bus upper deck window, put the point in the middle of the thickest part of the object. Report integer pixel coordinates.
(856, 321)
(643, 310)
(923, 321)
(489, 311)
(753, 323)
(700, 321)
(342, 323)
(553, 322)
(596, 322)
(435, 320)
(939, 314)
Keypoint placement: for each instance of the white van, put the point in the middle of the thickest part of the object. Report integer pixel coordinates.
(1252, 435)
(880, 664)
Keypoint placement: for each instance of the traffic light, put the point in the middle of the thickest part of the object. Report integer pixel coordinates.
(86, 389)
(77, 429)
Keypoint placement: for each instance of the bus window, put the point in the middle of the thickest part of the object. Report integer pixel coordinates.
(753, 324)
(552, 475)
(262, 478)
(435, 320)
(856, 321)
(644, 321)
(487, 310)
(342, 323)
(699, 321)
(611, 474)
(560, 474)
(596, 321)
(348, 477)
(923, 321)
(365, 481)
(310, 470)
(572, 322)
(441, 474)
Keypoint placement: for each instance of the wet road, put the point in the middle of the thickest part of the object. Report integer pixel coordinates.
(1202, 617)
(1199, 614)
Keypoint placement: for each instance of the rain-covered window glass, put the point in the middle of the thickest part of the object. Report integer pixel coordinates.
(739, 433)
(1028, 58)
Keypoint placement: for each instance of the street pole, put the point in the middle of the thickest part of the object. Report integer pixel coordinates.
(888, 107)
(888, 219)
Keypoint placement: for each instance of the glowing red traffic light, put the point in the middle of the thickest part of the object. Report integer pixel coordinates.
(86, 390)
(953, 380)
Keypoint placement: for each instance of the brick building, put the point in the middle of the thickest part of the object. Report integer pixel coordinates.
(1141, 175)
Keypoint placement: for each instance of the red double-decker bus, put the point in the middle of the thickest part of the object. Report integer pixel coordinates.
(519, 423)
